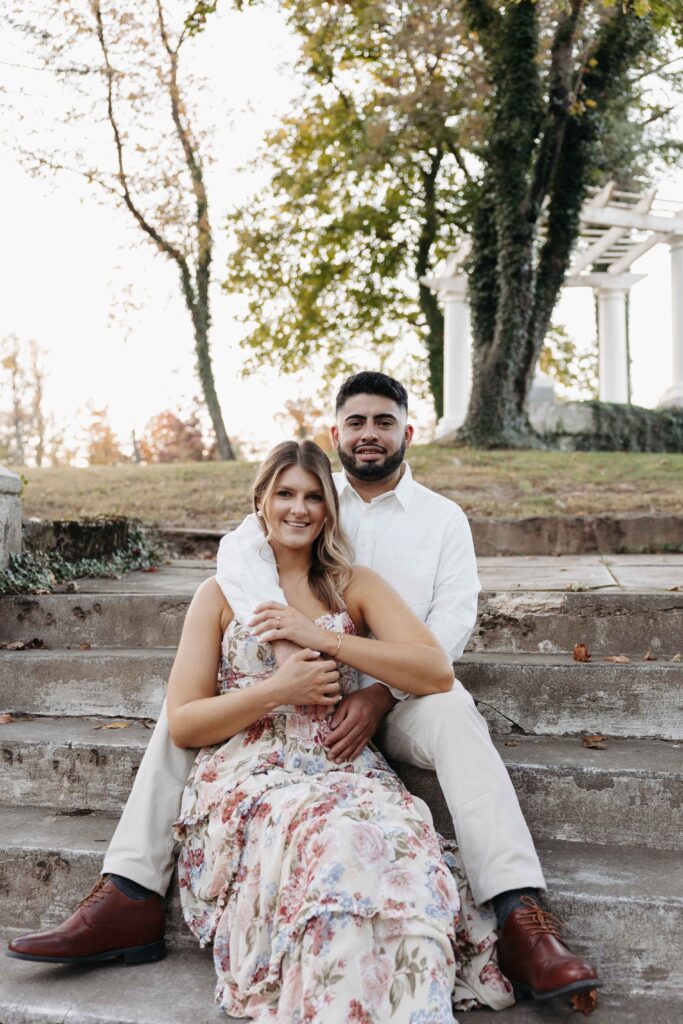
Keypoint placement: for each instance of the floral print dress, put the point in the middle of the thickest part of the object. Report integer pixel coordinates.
(327, 898)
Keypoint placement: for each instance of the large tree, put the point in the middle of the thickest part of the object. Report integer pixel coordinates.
(423, 120)
(127, 94)
(554, 84)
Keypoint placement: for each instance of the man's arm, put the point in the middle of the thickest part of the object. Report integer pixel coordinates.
(453, 609)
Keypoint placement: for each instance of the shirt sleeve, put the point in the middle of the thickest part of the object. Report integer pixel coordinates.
(246, 570)
(453, 609)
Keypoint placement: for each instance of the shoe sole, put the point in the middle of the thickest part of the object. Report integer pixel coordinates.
(131, 955)
(523, 991)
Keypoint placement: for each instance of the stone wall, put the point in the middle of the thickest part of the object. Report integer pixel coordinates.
(10, 515)
(607, 427)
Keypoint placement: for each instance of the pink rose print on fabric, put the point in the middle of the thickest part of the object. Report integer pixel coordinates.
(376, 971)
(369, 844)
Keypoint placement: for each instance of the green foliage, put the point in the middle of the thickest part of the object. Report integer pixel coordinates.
(574, 371)
(38, 571)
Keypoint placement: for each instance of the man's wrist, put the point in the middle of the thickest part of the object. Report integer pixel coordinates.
(383, 694)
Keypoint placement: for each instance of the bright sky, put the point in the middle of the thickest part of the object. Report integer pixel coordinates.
(66, 260)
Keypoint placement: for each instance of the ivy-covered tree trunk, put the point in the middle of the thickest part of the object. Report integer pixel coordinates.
(429, 304)
(539, 158)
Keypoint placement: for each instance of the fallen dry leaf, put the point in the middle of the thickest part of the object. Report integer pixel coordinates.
(151, 568)
(649, 656)
(595, 742)
(6, 719)
(511, 743)
(84, 646)
(617, 659)
(677, 657)
(585, 1002)
(677, 587)
(575, 586)
(581, 653)
(115, 725)
(25, 645)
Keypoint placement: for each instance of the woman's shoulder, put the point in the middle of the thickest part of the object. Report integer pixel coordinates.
(209, 599)
(362, 580)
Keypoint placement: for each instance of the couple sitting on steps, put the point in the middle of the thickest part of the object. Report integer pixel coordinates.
(320, 881)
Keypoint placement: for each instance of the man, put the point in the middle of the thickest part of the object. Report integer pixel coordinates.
(421, 543)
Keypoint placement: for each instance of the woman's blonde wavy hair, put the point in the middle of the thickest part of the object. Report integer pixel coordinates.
(330, 569)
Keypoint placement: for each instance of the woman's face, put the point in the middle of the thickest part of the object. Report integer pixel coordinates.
(295, 512)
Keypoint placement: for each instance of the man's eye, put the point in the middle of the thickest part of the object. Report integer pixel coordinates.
(386, 424)
(354, 423)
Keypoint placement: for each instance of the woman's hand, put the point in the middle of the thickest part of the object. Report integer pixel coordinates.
(306, 678)
(273, 621)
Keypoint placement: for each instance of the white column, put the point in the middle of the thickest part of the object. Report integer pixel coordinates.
(457, 355)
(674, 394)
(613, 348)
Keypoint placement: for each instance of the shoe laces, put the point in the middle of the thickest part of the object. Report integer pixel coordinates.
(94, 895)
(538, 920)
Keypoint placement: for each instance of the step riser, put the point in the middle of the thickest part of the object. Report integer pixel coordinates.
(632, 943)
(541, 622)
(63, 684)
(585, 804)
(103, 620)
(550, 623)
(581, 806)
(616, 700)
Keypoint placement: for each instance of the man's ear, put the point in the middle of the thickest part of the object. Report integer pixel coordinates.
(334, 434)
(408, 436)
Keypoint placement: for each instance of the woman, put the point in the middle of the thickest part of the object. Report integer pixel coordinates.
(323, 891)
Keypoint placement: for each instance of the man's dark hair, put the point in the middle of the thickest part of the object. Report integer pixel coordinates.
(370, 383)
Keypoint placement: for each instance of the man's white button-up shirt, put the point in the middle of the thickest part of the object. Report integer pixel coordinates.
(417, 540)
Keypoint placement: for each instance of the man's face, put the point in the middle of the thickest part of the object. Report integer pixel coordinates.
(371, 436)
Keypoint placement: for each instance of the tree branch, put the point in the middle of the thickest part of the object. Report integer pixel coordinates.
(559, 105)
(162, 243)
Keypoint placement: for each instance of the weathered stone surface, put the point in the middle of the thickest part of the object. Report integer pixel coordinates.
(553, 695)
(553, 622)
(630, 793)
(575, 535)
(622, 907)
(10, 515)
(180, 989)
(123, 682)
(111, 620)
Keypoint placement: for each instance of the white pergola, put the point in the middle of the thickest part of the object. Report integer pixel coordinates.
(617, 228)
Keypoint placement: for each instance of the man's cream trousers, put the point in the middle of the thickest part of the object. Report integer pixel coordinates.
(444, 732)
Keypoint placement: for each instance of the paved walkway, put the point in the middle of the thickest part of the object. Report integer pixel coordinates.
(641, 573)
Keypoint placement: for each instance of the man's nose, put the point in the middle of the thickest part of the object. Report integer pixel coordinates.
(369, 434)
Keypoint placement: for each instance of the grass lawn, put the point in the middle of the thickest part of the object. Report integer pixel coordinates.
(484, 483)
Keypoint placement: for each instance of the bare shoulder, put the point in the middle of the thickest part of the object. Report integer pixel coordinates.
(362, 577)
(209, 599)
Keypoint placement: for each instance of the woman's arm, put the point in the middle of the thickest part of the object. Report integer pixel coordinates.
(402, 653)
(197, 715)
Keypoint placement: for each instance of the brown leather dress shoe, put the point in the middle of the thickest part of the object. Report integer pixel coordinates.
(106, 925)
(534, 958)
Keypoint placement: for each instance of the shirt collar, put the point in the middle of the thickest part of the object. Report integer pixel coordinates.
(402, 493)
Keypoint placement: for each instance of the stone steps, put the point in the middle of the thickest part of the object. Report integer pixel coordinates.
(608, 621)
(624, 905)
(530, 693)
(630, 793)
(180, 989)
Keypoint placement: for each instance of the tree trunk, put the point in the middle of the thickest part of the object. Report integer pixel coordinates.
(535, 151)
(429, 304)
(205, 374)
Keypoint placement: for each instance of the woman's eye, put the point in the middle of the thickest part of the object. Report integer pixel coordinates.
(315, 497)
(284, 494)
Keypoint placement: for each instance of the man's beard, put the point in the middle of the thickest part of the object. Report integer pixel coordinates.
(372, 471)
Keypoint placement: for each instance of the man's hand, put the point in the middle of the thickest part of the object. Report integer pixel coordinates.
(356, 721)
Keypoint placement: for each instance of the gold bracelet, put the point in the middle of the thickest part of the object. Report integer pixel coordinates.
(340, 637)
